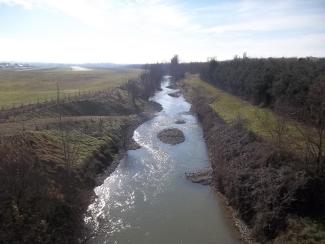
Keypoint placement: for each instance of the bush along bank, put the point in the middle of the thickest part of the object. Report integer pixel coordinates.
(269, 189)
(44, 194)
(50, 165)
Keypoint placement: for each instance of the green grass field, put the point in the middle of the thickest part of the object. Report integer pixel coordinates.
(23, 87)
(260, 121)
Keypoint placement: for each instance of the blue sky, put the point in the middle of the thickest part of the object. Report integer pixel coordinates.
(140, 31)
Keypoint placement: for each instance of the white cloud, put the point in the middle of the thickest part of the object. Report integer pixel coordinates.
(107, 14)
(268, 23)
(23, 3)
(134, 31)
(123, 31)
(250, 15)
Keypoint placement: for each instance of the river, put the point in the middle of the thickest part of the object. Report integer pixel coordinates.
(147, 199)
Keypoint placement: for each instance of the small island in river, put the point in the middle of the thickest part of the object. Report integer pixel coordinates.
(171, 136)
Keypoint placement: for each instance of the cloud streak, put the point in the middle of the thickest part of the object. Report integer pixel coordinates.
(153, 30)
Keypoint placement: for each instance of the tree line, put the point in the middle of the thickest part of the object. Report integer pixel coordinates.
(294, 86)
(267, 81)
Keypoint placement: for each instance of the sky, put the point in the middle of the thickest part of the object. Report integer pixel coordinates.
(147, 31)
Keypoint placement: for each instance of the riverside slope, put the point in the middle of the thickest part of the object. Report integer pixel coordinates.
(270, 190)
(53, 154)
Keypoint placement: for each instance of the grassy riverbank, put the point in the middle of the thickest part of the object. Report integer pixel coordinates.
(51, 156)
(270, 188)
(262, 122)
(47, 177)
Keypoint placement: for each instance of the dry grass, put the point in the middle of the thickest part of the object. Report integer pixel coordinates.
(302, 230)
(22, 87)
(83, 134)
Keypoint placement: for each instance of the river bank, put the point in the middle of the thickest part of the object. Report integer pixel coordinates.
(207, 176)
(54, 154)
(105, 161)
(266, 187)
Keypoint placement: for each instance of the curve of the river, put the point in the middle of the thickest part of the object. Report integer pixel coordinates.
(148, 199)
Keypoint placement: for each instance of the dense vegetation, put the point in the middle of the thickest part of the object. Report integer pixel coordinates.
(146, 84)
(265, 186)
(267, 81)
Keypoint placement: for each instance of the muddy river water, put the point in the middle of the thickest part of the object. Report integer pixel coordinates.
(148, 199)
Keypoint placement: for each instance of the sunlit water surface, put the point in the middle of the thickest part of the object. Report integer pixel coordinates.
(148, 199)
(79, 68)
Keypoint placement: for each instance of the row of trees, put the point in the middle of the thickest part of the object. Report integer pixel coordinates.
(148, 82)
(268, 82)
(290, 85)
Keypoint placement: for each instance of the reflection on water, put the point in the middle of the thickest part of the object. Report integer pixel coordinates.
(79, 68)
(147, 199)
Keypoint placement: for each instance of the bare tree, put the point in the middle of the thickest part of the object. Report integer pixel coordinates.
(276, 128)
(132, 90)
(70, 147)
(175, 67)
(314, 135)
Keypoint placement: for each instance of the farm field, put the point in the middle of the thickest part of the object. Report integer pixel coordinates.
(24, 87)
